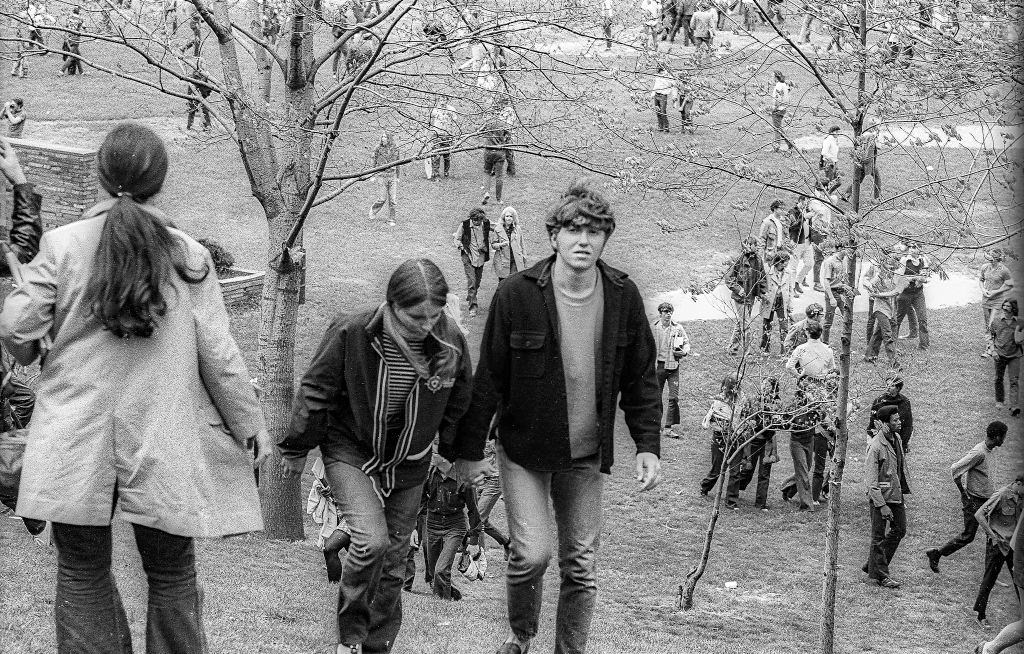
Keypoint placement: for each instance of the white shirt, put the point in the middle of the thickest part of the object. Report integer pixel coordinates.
(780, 94)
(830, 148)
(815, 359)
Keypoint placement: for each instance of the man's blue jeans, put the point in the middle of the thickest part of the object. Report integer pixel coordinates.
(90, 616)
(575, 496)
(370, 594)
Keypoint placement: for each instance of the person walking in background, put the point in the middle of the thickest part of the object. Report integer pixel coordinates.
(1012, 633)
(137, 329)
(447, 502)
(828, 160)
(806, 414)
(996, 283)
(746, 283)
(888, 512)
(383, 382)
(865, 161)
(893, 396)
(663, 88)
(442, 126)
(780, 107)
(72, 42)
(14, 113)
(687, 8)
(800, 220)
(883, 292)
(490, 493)
(765, 417)
(607, 18)
(673, 344)
(474, 241)
(771, 236)
(556, 400)
(509, 254)
(997, 517)
(776, 303)
(684, 98)
(1007, 334)
(669, 16)
(835, 279)
(495, 135)
(384, 154)
(702, 26)
(723, 419)
(916, 270)
(198, 90)
(972, 479)
(797, 334)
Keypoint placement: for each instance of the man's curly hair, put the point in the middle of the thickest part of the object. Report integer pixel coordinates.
(581, 206)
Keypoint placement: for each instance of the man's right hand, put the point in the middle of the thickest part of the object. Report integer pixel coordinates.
(886, 512)
(473, 472)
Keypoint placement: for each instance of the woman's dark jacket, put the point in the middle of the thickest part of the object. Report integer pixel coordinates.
(26, 226)
(520, 374)
(341, 404)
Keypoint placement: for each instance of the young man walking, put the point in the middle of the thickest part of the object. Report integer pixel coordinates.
(746, 282)
(916, 268)
(998, 517)
(893, 396)
(473, 240)
(888, 517)
(970, 474)
(835, 279)
(564, 340)
(673, 344)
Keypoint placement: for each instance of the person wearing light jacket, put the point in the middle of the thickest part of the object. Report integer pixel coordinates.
(888, 515)
(509, 256)
(143, 403)
(673, 345)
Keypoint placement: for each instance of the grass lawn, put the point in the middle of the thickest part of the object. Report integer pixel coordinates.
(273, 597)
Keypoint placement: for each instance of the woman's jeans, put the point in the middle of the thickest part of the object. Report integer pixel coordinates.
(576, 497)
(89, 613)
(370, 593)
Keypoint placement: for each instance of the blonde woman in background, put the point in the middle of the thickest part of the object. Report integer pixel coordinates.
(509, 255)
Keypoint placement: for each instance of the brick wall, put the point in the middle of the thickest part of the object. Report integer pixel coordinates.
(64, 176)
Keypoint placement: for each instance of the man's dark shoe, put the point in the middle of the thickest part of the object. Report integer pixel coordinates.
(933, 559)
(456, 594)
(888, 582)
(512, 648)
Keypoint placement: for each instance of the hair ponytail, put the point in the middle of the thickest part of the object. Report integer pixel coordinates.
(137, 252)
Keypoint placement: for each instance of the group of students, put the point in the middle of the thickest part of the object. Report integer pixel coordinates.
(126, 314)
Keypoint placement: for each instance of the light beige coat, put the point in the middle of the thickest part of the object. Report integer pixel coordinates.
(163, 419)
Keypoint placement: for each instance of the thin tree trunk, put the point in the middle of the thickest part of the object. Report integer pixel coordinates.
(835, 495)
(686, 591)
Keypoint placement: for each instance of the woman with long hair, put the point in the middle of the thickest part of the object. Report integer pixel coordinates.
(143, 402)
(383, 382)
(509, 256)
(780, 106)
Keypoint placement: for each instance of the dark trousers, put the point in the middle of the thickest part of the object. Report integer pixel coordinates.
(870, 322)
(882, 335)
(442, 143)
(858, 172)
(971, 505)
(822, 449)
(718, 452)
(994, 560)
(445, 536)
(473, 276)
(801, 449)
(885, 538)
(687, 31)
(661, 110)
(1007, 367)
(912, 303)
(670, 19)
(819, 258)
(90, 616)
(670, 377)
(740, 481)
(370, 592)
(194, 106)
(410, 560)
(777, 310)
(607, 26)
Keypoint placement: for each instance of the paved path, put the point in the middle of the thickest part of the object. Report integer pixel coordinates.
(956, 291)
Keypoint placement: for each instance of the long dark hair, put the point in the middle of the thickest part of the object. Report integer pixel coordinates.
(137, 252)
(420, 280)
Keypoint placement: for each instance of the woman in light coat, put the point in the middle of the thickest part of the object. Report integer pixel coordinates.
(143, 402)
(509, 256)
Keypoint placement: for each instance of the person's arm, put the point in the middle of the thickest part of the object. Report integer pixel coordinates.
(871, 465)
(221, 364)
(26, 225)
(321, 390)
(457, 237)
(907, 430)
(469, 497)
(984, 512)
(787, 343)
(793, 361)
(706, 422)
(684, 340)
(960, 469)
(458, 404)
(28, 311)
(640, 399)
(502, 240)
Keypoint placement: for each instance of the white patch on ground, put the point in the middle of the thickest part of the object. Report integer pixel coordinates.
(957, 291)
(974, 137)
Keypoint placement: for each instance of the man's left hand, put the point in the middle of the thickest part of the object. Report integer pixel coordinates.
(648, 470)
